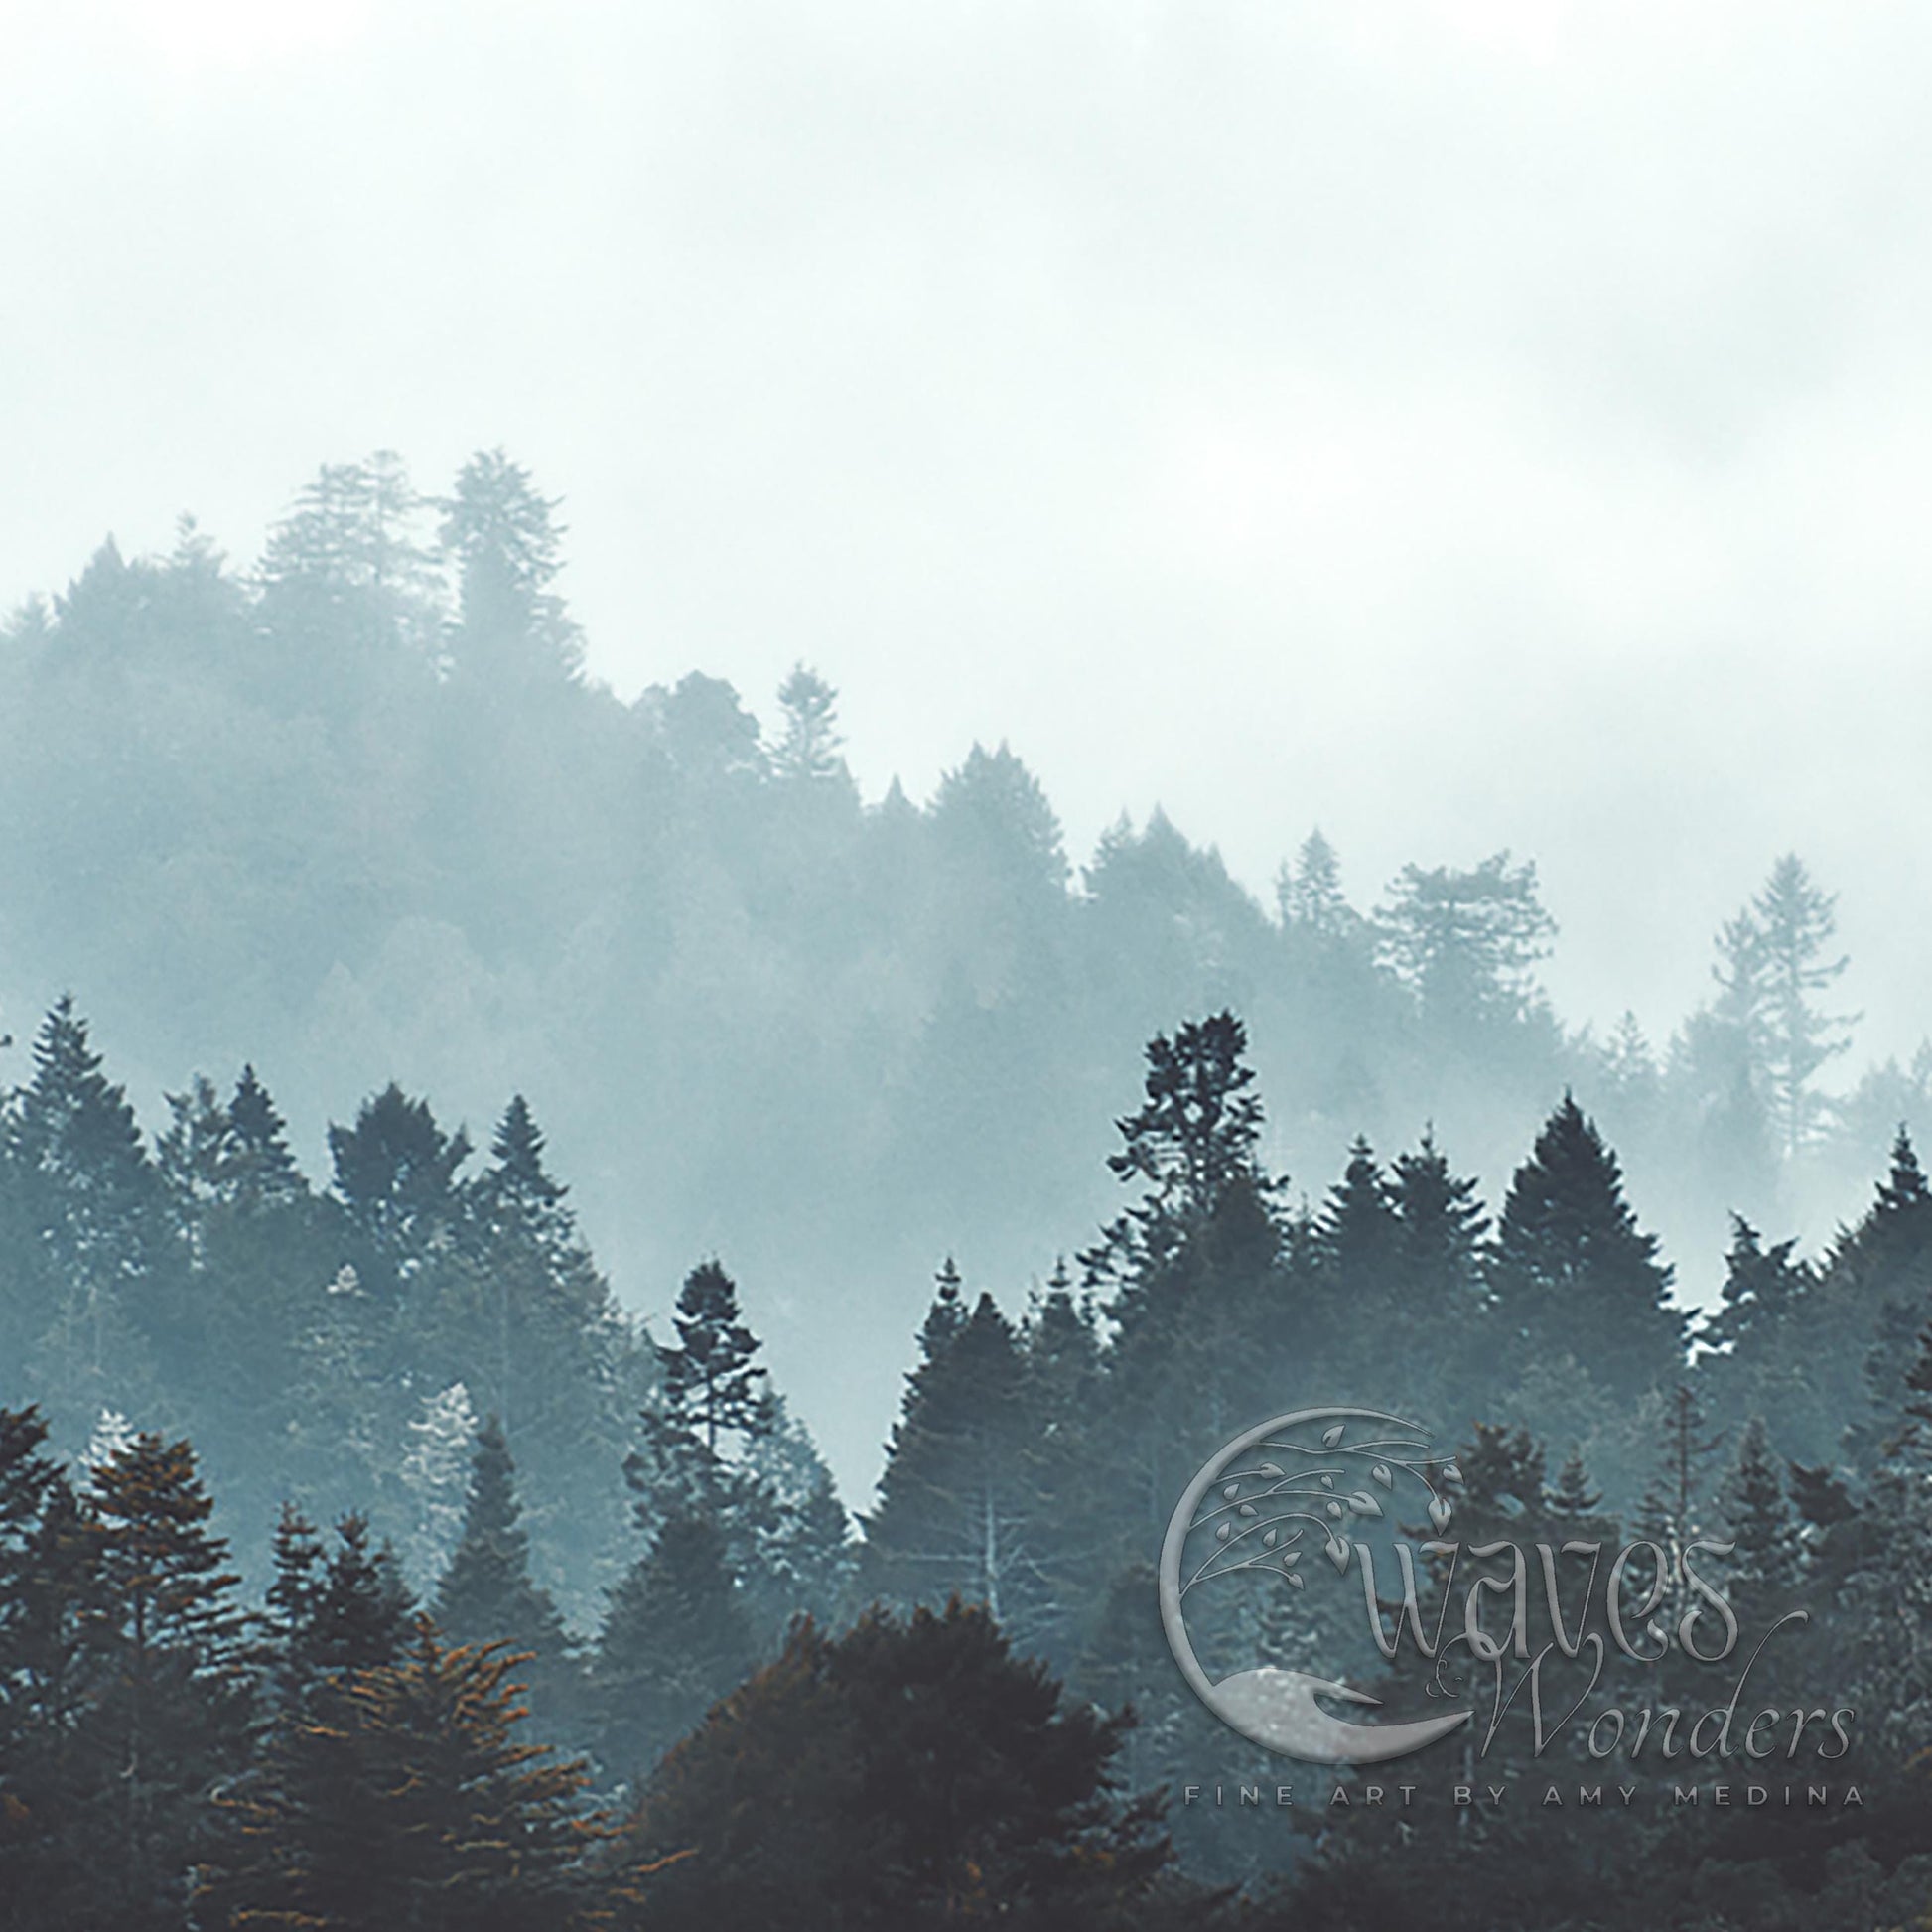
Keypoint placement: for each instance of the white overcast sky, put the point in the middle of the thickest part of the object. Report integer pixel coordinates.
(1465, 424)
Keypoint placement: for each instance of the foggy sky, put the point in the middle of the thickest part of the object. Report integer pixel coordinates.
(1462, 425)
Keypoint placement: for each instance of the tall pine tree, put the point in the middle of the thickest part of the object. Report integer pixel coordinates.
(1573, 1272)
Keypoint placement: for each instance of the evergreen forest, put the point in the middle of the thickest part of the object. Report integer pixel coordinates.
(402, 1526)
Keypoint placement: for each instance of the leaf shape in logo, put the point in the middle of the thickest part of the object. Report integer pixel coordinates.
(1440, 1512)
(1381, 1474)
(1267, 1539)
(1222, 1535)
(1294, 1581)
(1334, 1509)
(1248, 1509)
(1269, 1469)
(1231, 1491)
(1338, 1554)
(1331, 1436)
(1450, 1474)
(1327, 1482)
(1364, 1504)
(1291, 1557)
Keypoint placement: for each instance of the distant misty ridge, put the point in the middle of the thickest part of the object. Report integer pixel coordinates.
(355, 815)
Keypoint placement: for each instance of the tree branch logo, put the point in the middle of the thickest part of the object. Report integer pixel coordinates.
(1266, 1503)
(1532, 1609)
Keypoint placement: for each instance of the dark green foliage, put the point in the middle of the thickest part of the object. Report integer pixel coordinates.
(1572, 1269)
(162, 1765)
(486, 1595)
(413, 1804)
(87, 1224)
(169, 1674)
(1573, 1496)
(530, 1325)
(395, 1177)
(1758, 1516)
(790, 1535)
(50, 1793)
(963, 1508)
(331, 1612)
(1762, 1292)
(1197, 1131)
(1441, 1262)
(909, 1773)
(1358, 1234)
(712, 1387)
(676, 1640)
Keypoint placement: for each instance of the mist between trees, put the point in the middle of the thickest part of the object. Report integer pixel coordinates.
(353, 814)
(355, 818)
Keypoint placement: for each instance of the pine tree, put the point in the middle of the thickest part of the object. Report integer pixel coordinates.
(947, 1314)
(1311, 896)
(1574, 1273)
(712, 1386)
(788, 1536)
(1444, 1229)
(1359, 1231)
(540, 1339)
(414, 1804)
(1877, 1279)
(1773, 963)
(188, 1154)
(260, 1167)
(52, 1792)
(1629, 1067)
(676, 1640)
(1195, 1140)
(228, 1316)
(1759, 1517)
(364, 1611)
(1574, 1497)
(508, 551)
(170, 1674)
(808, 751)
(517, 1198)
(295, 1565)
(486, 1594)
(90, 1204)
(233, 1156)
(1761, 1292)
(395, 1177)
(1465, 943)
(1059, 1470)
(953, 1513)
(330, 1613)
(353, 534)
(1441, 1255)
(1895, 1239)
(1677, 1502)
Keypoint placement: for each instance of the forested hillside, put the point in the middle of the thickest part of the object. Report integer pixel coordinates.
(353, 814)
(296, 1483)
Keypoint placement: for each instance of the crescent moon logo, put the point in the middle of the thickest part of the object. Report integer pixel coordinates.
(1266, 1491)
